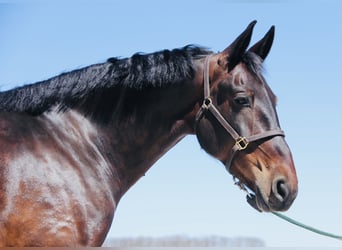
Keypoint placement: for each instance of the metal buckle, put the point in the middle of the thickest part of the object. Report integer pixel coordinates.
(206, 103)
(242, 187)
(241, 143)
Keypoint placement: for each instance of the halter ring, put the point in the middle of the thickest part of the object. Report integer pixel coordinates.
(241, 143)
(206, 103)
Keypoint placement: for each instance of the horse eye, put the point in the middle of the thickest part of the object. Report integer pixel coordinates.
(242, 101)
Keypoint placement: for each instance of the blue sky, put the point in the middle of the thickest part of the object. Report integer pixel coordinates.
(188, 192)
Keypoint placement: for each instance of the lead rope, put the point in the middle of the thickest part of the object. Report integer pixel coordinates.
(302, 225)
(286, 218)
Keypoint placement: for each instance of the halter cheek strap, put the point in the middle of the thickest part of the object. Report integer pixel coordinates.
(241, 142)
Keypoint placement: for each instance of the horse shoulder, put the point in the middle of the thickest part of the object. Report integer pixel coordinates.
(54, 189)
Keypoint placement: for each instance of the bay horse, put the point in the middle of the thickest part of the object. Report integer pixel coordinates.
(71, 146)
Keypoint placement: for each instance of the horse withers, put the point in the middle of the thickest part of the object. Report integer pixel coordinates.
(71, 146)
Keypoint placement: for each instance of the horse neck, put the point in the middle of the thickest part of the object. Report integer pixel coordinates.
(161, 119)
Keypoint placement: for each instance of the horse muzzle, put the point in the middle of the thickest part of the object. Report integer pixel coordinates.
(280, 197)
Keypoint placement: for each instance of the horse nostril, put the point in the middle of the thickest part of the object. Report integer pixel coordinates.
(282, 194)
(281, 190)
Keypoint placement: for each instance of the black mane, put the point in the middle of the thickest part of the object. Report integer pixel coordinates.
(95, 85)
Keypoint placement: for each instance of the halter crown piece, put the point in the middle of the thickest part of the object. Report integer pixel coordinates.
(241, 142)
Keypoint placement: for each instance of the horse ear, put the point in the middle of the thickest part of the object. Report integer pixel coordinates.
(232, 55)
(263, 47)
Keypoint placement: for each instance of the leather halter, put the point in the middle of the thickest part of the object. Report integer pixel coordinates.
(241, 142)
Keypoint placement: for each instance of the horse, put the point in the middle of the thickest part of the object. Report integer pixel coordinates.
(72, 145)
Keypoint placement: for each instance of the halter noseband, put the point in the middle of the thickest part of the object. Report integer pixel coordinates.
(241, 142)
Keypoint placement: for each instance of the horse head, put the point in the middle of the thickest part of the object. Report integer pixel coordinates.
(238, 123)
